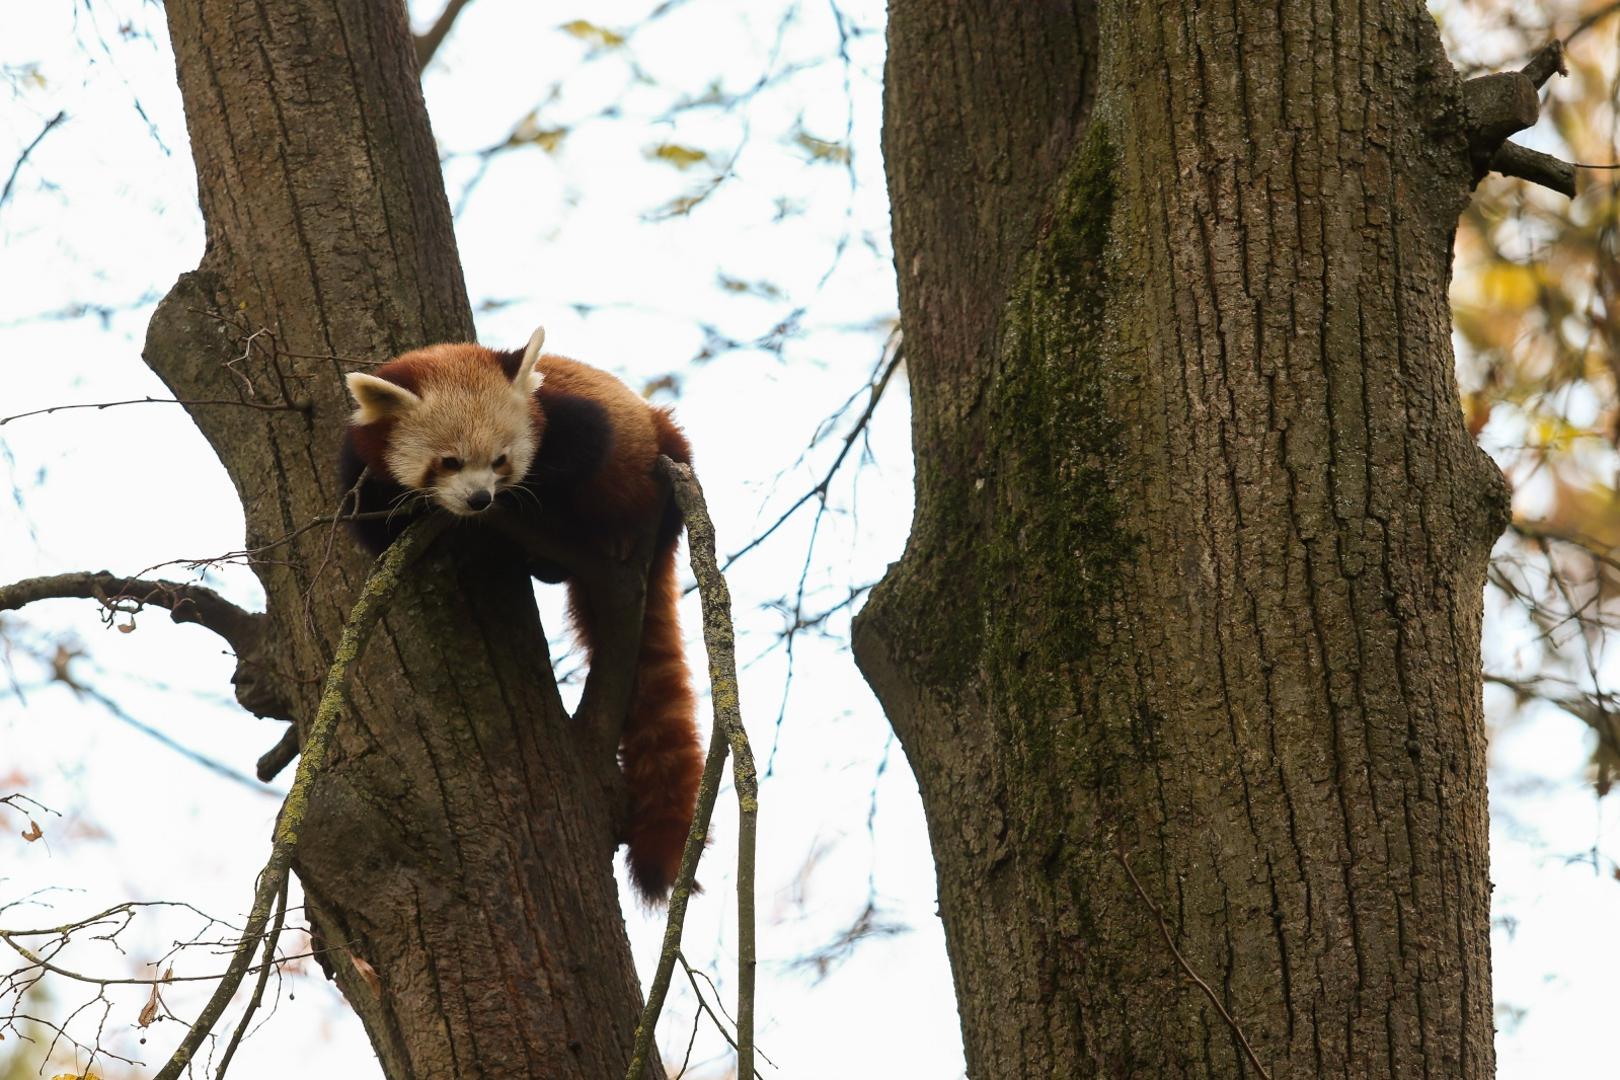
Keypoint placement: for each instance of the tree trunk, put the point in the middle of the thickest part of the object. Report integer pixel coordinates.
(460, 842)
(1194, 585)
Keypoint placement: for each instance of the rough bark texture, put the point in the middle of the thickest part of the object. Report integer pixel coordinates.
(460, 843)
(1195, 577)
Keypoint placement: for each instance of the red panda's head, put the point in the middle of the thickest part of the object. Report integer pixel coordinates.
(447, 421)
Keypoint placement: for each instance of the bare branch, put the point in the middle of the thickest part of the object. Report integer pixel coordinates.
(703, 1006)
(1497, 105)
(288, 406)
(1545, 64)
(61, 671)
(5, 193)
(279, 756)
(185, 603)
(875, 395)
(1523, 163)
(427, 44)
(1591, 20)
(258, 990)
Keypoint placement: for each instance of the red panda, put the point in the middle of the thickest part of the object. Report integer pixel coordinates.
(464, 428)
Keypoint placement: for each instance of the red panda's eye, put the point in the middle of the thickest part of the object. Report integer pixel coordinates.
(498, 462)
(450, 464)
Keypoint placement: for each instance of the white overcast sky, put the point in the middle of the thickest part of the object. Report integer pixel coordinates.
(104, 214)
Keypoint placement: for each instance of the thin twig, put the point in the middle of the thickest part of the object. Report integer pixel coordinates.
(1591, 20)
(5, 193)
(61, 671)
(704, 1006)
(378, 590)
(821, 488)
(727, 734)
(1164, 928)
(9, 939)
(188, 402)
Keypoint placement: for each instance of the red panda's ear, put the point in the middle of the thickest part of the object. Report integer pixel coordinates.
(528, 380)
(378, 399)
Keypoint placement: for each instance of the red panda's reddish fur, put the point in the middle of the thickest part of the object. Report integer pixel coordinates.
(610, 501)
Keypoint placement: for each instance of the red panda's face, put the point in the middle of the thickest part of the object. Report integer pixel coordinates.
(464, 434)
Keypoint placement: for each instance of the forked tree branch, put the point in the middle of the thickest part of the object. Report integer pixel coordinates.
(1498, 105)
(257, 997)
(375, 594)
(728, 734)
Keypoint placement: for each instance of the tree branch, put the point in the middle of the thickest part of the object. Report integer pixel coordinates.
(258, 990)
(259, 687)
(375, 594)
(198, 604)
(1523, 163)
(427, 44)
(5, 193)
(875, 389)
(720, 639)
(279, 756)
(1545, 64)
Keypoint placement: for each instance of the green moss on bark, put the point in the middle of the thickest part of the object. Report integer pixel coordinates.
(1055, 532)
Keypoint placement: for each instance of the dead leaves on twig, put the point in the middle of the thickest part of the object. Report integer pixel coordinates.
(150, 1012)
(33, 832)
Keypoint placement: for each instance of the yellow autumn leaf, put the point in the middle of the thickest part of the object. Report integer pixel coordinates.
(529, 132)
(821, 149)
(1554, 432)
(1510, 285)
(682, 157)
(600, 36)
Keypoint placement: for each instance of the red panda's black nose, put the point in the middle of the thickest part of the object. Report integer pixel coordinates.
(479, 500)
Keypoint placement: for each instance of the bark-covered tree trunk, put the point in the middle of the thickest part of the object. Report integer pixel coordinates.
(460, 841)
(1194, 584)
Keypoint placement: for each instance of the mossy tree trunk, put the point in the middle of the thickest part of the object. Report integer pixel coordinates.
(460, 843)
(1194, 584)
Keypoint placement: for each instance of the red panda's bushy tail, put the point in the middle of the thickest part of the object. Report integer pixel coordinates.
(660, 751)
